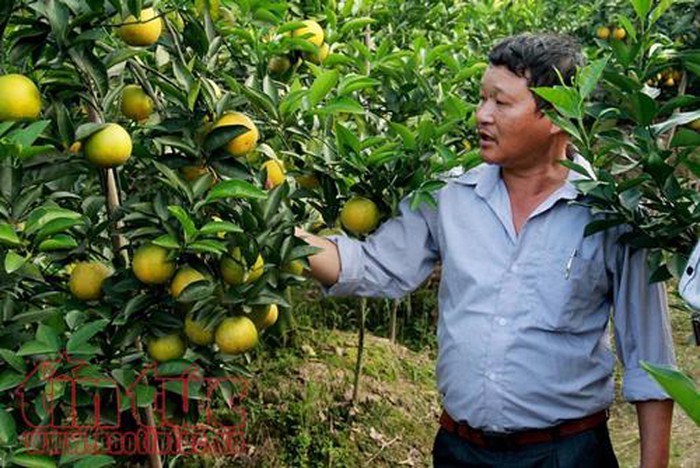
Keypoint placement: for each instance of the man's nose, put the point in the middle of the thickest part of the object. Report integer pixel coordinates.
(484, 113)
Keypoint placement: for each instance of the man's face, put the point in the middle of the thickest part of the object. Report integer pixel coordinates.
(513, 134)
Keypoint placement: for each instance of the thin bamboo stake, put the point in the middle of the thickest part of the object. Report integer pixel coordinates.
(360, 349)
(113, 202)
(392, 320)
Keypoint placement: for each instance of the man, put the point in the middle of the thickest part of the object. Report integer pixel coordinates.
(524, 362)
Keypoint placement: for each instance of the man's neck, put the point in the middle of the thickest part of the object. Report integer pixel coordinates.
(536, 181)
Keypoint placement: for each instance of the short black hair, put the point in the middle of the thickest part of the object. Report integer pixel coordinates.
(538, 57)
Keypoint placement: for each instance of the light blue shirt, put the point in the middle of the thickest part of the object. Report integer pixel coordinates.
(523, 329)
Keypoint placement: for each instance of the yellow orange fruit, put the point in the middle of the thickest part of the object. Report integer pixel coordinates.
(359, 215)
(275, 173)
(244, 143)
(151, 265)
(19, 98)
(136, 104)
(183, 278)
(108, 147)
(602, 32)
(197, 333)
(234, 268)
(86, 279)
(257, 270)
(236, 335)
(295, 267)
(313, 30)
(320, 57)
(166, 347)
(619, 33)
(143, 31)
(264, 316)
(695, 124)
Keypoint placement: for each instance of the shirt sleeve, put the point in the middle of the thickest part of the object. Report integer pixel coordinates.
(689, 285)
(641, 322)
(391, 262)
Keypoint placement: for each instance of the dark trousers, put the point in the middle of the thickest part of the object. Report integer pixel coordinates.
(589, 449)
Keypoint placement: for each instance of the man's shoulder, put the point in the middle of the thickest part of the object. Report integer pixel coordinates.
(460, 176)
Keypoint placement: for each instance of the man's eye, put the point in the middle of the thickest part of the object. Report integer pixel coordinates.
(500, 103)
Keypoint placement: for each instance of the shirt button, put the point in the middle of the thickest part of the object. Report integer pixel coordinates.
(514, 269)
(491, 376)
(502, 321)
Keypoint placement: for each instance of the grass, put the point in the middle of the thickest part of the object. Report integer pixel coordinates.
(299, 401)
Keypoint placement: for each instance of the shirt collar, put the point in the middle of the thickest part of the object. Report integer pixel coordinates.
(486, 176)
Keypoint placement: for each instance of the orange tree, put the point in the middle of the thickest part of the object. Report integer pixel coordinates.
(136, 223)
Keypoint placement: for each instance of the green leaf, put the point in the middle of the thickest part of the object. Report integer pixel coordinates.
(356, 24)
(33, 461)
(341, 105)
(207, 246)
(345, 138)
(145, 395)
(678, 386)
(167, 241)
(470, 71)
(58, 242)
(565, 100)
(10, 379)
(175, 142)
(322, 86)
(234, 189)
(641, 7)
(659, 11)
(174, 180)
(87, 62)
(57, 225)
(40, 217)
(86, 332)
(643, 107)
(13, 261)
(220, 136)
(409, 141)
(216, 227)
(85, 130)
(48, 335)
(197, 291)
(13, 360)
(354, 82)
(188, 227)
(590, 75)
(94, 461)
(8, 428)
(27, 136)
(8, 235)
(685, 137)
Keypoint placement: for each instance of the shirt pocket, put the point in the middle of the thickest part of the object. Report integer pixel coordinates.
(569, 288)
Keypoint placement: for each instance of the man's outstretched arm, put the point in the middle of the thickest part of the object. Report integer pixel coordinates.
(324, 265)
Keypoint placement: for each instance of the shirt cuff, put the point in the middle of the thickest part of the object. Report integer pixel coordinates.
(350, 252)
(638, 385)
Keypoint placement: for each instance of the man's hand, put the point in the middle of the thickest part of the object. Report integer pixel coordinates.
(325, 265)
(654, 418)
